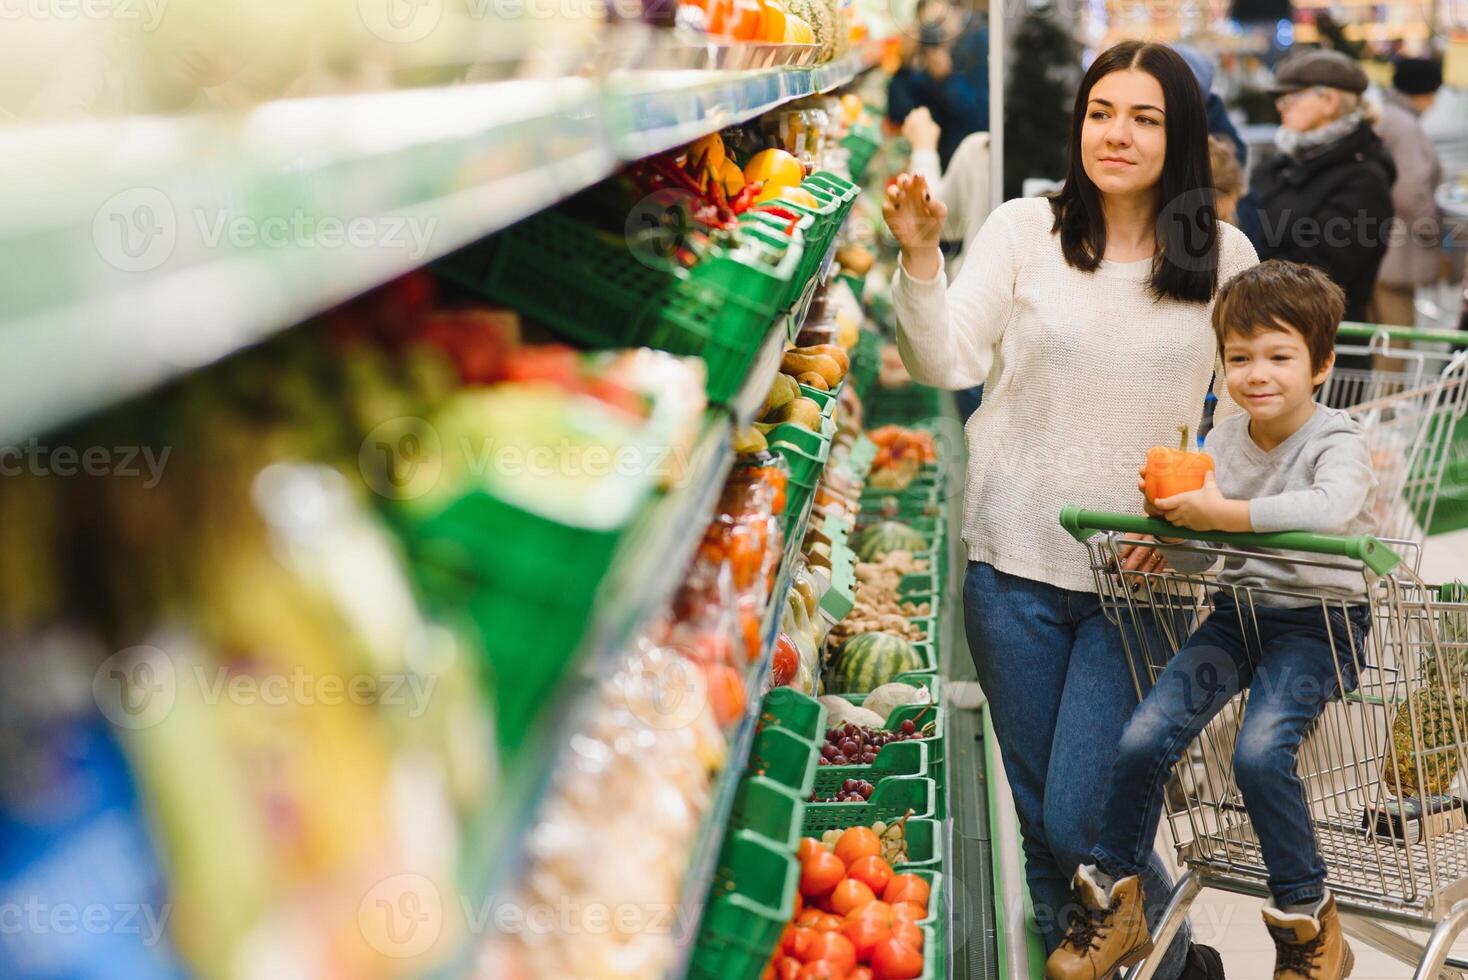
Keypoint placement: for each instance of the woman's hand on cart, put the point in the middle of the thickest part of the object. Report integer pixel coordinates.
(915, 218)
(1139, 558)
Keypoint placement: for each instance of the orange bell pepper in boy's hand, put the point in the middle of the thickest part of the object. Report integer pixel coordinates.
(1173, 471)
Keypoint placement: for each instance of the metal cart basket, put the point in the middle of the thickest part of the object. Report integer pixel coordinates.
(1410, 400)
(1396, 746)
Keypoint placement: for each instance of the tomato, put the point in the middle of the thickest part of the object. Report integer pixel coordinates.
(821, 970)
(799, 942)
(860, 973)
(875, 872)
(908, 932)
(828, 922)
(879, 912)
(851, 894)
(864, 935)
(894, 960)
(809, 918)
(786, 663)
(857, 843)
(911, 911)
(834, 948)
(787, 968)
(808, 846)
(907, 888)
(820, 874)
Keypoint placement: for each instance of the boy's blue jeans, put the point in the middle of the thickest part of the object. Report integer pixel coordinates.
(1283, 657)
(1059, 693)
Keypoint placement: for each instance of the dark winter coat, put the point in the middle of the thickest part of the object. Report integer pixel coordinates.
(1332, 210)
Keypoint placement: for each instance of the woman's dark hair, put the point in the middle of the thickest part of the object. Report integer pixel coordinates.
(1186, 264)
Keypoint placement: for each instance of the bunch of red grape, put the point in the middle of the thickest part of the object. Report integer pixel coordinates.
(858, 745)
(852, 791)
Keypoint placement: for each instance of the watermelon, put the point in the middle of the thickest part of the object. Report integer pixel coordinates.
(867, 661)
(887, 537)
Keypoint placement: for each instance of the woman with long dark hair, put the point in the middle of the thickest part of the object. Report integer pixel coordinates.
(1086, 315)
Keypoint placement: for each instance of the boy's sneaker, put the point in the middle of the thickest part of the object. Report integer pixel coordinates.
(1309, 946)
(1110, 932)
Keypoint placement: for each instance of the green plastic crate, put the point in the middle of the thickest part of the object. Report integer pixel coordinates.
(525, 583)
(890, 800)
(804, 223)
(866, 360)
(790, 709)
(784, 757)
(751, 901)
(861, 148)
(590, 286)
(774, 812)
(908, 758)
(924, 846)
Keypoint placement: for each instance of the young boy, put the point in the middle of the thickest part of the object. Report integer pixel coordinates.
(1287, 464)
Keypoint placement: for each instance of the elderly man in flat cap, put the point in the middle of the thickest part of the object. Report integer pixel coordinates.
(1326, 198)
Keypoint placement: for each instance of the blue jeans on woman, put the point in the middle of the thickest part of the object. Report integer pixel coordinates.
(1059, 691)
(1283, 656)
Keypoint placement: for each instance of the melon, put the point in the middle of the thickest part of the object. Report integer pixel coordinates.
(821, 16)
(868, 660)
(887, 537)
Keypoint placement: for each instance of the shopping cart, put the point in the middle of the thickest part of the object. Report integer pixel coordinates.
(1410, 401)
(1403, 733)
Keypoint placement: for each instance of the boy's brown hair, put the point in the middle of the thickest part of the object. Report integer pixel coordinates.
(1284, 296)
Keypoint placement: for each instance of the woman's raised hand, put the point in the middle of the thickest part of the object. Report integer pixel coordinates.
(914, 215)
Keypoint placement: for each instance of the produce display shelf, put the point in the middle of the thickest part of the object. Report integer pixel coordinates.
(269, 216)
(641, 582)
(704, 863)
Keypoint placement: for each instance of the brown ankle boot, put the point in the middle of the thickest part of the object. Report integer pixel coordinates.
(1109, 932)
(1309, 947)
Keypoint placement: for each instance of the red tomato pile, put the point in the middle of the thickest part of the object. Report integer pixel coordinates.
(855, 918)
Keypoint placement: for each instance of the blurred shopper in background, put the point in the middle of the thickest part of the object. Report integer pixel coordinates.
(1325, 198)
(946, 72)
(1414, 256)
(964, 188)
(1228, 179)
(1219, 124)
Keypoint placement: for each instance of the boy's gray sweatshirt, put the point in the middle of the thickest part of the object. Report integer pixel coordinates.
(1319, 479)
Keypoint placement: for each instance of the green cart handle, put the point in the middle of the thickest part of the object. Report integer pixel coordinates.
(1082, 524)
(1365, 331)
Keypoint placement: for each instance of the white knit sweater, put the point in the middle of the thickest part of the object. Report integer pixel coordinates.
(1082, 373)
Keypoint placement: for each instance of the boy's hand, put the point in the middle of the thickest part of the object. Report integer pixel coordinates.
(1205, 510)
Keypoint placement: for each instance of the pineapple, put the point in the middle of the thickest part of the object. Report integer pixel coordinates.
(1435, 730)
(1436, 703)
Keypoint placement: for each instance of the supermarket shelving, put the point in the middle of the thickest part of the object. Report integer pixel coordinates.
(641, 582)
(704, 862)
(144, 247)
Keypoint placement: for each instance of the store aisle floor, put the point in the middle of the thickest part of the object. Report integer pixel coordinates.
(1232, 922)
